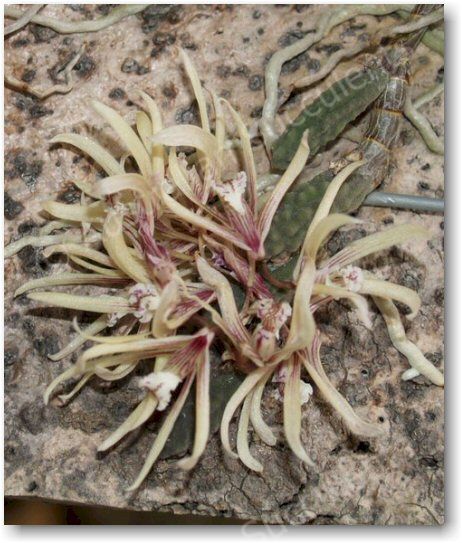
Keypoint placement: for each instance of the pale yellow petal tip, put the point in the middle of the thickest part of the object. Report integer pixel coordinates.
(58, 138)
(49, 251)
(370, 430)
(183, 55)
(420, 231)
(304, 140)
(187, 464)
(134, 486)
(140, 93)
(46, 204)
(231, 454)
(252, 464)
(409, 374)
(307, 460)
(256, 466)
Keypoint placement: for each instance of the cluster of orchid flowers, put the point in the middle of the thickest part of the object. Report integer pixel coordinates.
(172, 239)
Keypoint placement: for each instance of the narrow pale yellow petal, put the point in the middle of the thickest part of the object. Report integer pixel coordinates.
(302, 325)
(197, 88)
(354, 423)
(137, 417)
(188, 135)
(147, 347)
(218, 282)
(114, 375)
(242, 443)
(356, 299)
(107, 339)
(164, 432)
(295, 167)
(323, 230)
(120, 254)
(93, 213)
(235, 401)
(97, 326)
(249, 163)
(189, 216)
(74, 249)
(92, 149)
(180, 179)
(64, 398)
(40, 241)
(202, 413)
(110, 361)
(220, 133)
(106, 272)
(144, 129)
(67, 278)
(325, 206)
(385, 289)
(68, 374)
(332, 190)
(127, 181)
(402, 344)
(157, 151)
(293, 411)
(154, 112)
(169, 298)
(87, 188)
(375, 242)
(127, 135)
(93, 304)
(263, 430)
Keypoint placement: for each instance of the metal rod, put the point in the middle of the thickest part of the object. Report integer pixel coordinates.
(404, 201)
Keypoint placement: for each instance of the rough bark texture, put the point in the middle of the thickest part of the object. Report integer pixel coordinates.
(51, 451)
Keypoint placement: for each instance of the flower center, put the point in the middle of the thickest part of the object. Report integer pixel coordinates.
(145, 300)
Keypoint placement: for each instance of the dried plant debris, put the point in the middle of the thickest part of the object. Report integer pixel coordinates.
(174, 253)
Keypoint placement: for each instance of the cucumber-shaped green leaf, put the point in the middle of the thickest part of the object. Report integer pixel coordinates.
(294, 215)
(329, 114)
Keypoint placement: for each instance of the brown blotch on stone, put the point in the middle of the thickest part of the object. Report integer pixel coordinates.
(11, 208)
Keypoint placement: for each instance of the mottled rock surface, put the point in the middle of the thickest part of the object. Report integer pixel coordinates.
(51, 451)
